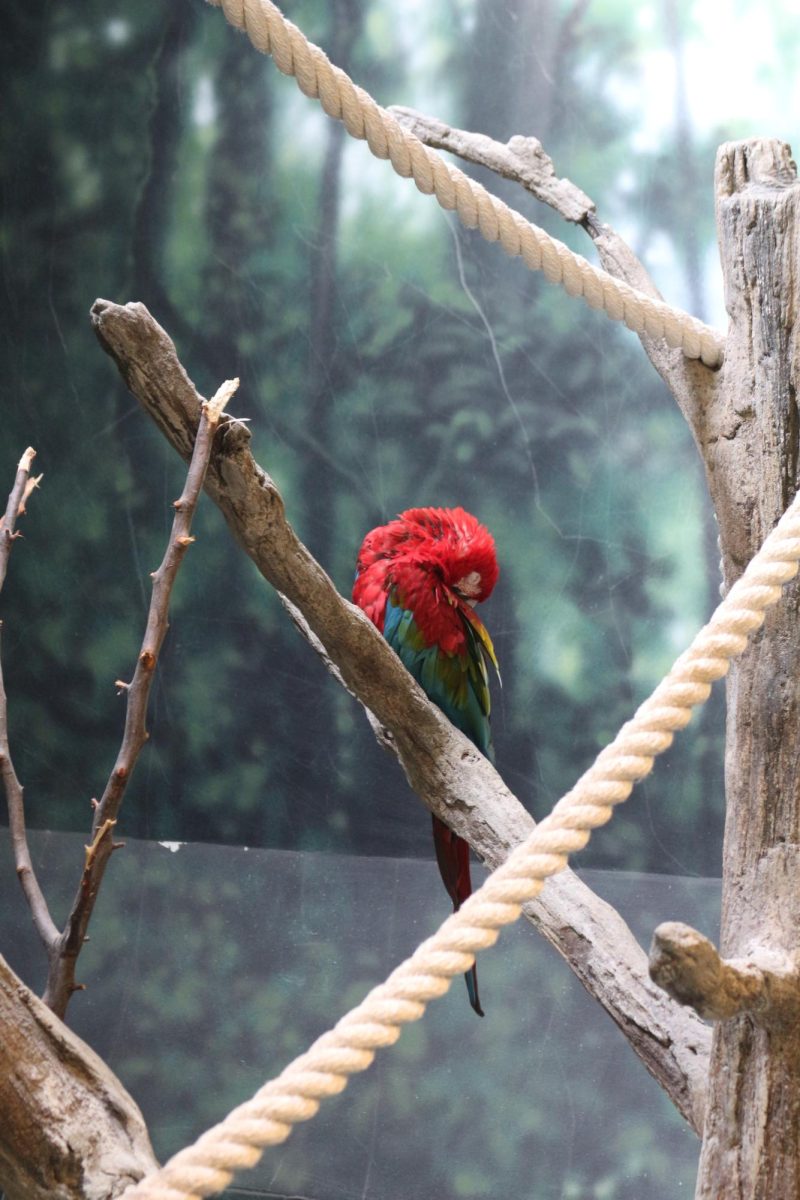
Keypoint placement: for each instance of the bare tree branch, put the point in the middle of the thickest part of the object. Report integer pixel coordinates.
(522, 159)
(451, 777)
(24, 484)
(689, 968)
(42, 920)
(64, 952)
(525, 161)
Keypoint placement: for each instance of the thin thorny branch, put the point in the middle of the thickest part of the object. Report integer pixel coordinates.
(24, 484)
(64, 954)
(64, 947)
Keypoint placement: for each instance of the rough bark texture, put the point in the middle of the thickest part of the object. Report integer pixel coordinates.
(687, 966)
(68, 1128)
(444, 768)
(751, 1147)
(522, 159)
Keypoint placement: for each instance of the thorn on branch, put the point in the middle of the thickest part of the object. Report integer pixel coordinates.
(33, 482)
(185, 540)
(243, 421)
(121, 686)
(147, 660)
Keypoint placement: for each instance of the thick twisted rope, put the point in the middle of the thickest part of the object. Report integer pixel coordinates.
(267, 1119)
(316, 76)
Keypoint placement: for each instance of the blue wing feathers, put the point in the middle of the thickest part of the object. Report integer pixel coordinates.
(457, 683)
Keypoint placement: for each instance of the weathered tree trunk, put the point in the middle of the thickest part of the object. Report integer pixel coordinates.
(751, 1147)
(67, 1126)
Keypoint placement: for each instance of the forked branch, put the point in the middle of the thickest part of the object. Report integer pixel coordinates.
(67, 946)
(451, 778)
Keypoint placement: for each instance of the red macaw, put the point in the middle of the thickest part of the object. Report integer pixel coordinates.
(418, 579)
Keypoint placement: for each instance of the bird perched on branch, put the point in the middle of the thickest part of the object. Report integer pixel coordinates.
(418, 579)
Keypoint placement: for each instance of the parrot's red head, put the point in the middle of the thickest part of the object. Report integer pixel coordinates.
(438, 561)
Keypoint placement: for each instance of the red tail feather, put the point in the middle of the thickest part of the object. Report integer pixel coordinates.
(452, 855)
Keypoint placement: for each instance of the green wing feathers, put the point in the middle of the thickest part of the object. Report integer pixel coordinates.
(457, 683)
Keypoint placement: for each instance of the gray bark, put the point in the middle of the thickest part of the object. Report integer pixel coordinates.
(521, 159)
(453, 780)
(751, 1147)
(68, 1128)
(687, 966)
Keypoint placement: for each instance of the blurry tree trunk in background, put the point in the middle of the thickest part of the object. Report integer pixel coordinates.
(687, 192)
(519, 100)
(240, 228)
(328, 369)
(325, 365)
(684, 185)
(171, 108)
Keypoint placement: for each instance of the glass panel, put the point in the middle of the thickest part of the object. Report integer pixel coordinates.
(211, 967)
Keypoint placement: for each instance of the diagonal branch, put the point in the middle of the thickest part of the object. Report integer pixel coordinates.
(453, 780)
(64, 953)
(525, 161)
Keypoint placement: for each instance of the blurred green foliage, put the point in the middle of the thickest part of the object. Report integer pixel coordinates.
(388, 358)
